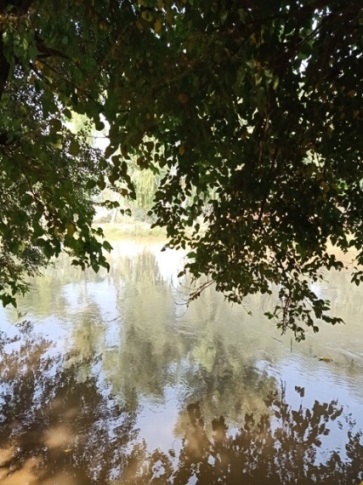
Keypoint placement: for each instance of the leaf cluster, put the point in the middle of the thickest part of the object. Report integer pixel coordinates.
(251, 111)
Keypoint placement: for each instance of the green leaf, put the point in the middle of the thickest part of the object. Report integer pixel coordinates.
(56, 124)
(74, 148)
(107, 246)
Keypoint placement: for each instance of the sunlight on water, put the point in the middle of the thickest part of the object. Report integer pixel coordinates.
(110, 378)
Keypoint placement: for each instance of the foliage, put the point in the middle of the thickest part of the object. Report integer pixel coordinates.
(252, 109)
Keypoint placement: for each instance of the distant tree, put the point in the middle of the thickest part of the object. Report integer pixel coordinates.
(253, 108)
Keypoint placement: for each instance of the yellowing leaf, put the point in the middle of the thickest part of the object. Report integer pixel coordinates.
(147, 16)
(157, 26)
(70, 229)
(275, 83)
(38, 65)
(325, 359)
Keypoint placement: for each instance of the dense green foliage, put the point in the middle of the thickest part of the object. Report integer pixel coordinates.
(252, 109)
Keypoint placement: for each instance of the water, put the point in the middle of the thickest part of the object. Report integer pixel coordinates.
(110, 379)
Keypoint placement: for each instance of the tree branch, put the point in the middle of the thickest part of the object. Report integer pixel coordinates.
(20, 7)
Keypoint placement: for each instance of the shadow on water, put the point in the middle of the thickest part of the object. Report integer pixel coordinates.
(56, 428)
(59, 429)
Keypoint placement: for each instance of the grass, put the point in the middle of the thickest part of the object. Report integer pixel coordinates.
(134, 229)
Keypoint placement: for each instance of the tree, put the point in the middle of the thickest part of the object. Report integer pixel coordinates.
(254, 111)
(48, 170)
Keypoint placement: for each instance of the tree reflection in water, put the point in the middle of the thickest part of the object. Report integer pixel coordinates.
(58, 427)
(278, 448)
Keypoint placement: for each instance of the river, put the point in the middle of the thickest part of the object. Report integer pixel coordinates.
(111, 379)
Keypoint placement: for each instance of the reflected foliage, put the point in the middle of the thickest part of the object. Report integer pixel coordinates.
(280, 447)
(60, 424)
(120, 347)
(154, 347)
(133, 317)
(54, 426)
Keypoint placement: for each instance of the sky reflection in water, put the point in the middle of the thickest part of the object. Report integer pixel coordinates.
(110, 379)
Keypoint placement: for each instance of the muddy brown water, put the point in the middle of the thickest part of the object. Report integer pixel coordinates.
(110, 379)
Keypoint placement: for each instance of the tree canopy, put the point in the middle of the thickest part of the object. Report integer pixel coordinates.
(251, 110)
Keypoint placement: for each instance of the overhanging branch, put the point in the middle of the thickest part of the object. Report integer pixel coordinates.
(19, 7)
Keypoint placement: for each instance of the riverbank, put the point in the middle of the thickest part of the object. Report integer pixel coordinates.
(139, 229)
(133, 229)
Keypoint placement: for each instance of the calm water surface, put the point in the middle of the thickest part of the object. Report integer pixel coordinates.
(109, 379)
